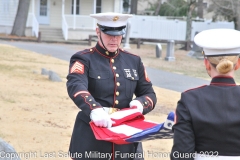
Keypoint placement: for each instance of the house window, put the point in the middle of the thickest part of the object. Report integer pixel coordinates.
(43, 8)
(77, 6)
(99, 6)
(126, 6)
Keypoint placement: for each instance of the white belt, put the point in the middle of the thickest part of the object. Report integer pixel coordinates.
(215, 157)
(110, 110)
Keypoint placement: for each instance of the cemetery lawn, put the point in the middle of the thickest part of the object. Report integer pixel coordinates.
(37, 115)
(183, 63)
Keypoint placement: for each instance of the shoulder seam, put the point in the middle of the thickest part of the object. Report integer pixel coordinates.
(195, 88)
(91, 50)
(129, 53)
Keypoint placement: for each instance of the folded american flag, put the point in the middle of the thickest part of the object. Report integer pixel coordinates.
(130, 126)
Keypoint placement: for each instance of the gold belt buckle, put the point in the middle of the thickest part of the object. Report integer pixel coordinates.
(112, 110)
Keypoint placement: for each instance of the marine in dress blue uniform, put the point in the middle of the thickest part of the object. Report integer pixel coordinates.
(107, 80)
(207, 118)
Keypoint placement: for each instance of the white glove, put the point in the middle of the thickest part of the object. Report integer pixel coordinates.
(136, 103)
(100, 118)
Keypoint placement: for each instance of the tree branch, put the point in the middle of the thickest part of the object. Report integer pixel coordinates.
(219, 5)
(170, 5)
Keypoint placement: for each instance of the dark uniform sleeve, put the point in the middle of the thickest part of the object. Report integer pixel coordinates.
(77, 84)
(184, 139)
(144, 91)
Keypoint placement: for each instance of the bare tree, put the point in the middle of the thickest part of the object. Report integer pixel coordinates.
(191, 7)
(134, 4)
(158, 7)
(21, 18)
(228, 10)
(200, 8)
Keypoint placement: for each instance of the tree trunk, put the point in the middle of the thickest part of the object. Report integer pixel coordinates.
(200, 9)
(237, 22)
(237, 18)
(158, 7)
(21, 18)
(134, 4)
(189, 25)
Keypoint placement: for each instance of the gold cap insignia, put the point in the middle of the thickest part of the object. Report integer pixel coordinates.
(115, 18)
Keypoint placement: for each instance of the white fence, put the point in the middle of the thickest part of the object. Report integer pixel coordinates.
(153, 27)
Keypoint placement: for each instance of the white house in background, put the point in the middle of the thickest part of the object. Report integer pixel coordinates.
(70, 16)
(70, 20)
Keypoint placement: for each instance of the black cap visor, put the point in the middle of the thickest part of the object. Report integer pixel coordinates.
(113, 31)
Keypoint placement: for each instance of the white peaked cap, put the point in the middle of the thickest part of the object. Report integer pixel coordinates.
(219, 41)
(111, 19)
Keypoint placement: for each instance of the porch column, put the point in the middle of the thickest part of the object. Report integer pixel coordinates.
(33, 7)
(63, 7)
(94, 12)
(118, 6)
(33, 16)
(121, 6)
(94, 6)
(74, 14)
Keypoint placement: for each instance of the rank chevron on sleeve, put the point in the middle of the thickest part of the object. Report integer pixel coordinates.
(77, 67)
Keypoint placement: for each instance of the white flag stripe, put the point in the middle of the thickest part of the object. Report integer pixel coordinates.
(125, 129)
(123, 113)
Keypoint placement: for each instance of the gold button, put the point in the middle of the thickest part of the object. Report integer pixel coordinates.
(132, 78)
(107, 53)
(91, 49)
(112, 60)
(145, 102)
(117, 93)
(94, 104)
(116, 102)
(114, 68)
(86, 96)
(98, 77)
(117, 75)
(118, 84)
(90, 100)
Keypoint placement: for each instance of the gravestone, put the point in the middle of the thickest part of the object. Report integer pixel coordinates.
(196, 51)
(170, 51)
(44, 71)
(54, 77)
(158, 50)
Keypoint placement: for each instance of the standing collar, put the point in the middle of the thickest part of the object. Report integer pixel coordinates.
(104, 52)
(223, 81)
